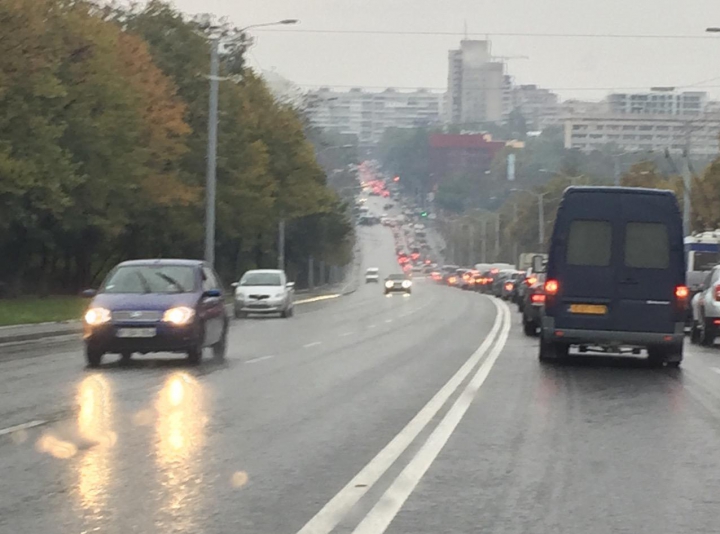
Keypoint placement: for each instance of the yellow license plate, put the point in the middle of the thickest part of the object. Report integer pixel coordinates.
(589, 309)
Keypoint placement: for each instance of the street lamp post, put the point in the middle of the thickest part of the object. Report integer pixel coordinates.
(211, 171)
(541, 213)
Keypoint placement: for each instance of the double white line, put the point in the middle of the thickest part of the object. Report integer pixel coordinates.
(387, 507)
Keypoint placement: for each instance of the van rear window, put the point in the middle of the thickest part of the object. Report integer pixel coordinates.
(590, 243)
(647, 245)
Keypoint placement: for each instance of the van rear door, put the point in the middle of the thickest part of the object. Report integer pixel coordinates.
(583, 261)
(647, 272)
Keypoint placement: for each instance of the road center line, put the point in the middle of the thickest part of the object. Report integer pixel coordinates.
(346, 334)
(388, 320)
(385, 510)
(23, 426)
(261, 358)
(313, 344)
(335, 510)
(716, 369)
(372, 325)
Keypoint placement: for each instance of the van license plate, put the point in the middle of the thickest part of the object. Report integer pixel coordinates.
(589, 309)
(136, 332)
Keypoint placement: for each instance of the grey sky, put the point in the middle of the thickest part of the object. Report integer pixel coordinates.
(415, 61)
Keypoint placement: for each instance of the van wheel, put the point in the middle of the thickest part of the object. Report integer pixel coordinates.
(551, 351)
(93, 357)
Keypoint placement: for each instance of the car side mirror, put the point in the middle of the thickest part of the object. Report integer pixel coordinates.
(290, 285)
(88, 293)
(234, 285)
(212, 294)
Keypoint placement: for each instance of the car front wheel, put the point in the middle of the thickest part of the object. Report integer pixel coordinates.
(220, 348)
(93, 357)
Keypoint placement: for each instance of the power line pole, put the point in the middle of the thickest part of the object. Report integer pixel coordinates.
(281, 245)
(515, 230)
(471, 245)
(497, 237)
(211, 175)
(687, 185)
(541, 221)
(483, 243)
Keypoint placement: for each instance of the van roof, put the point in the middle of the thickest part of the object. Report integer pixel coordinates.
(622, 190)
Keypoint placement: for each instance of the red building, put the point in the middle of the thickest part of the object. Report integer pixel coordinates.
(467, 154)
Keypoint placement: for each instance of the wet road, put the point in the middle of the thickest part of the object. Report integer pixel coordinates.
(365, 414)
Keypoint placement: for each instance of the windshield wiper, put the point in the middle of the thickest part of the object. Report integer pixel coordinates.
(144, 282)
(172, 281)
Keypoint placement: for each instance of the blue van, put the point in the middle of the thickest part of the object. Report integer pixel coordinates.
(615, 277)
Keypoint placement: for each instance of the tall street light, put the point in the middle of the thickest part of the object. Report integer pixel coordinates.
(211, 173)
(541, 212)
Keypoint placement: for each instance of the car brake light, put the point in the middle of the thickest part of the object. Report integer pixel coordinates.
(551, 287)
(508, 286)
(717, 292)
(531, 281)
(537, 298)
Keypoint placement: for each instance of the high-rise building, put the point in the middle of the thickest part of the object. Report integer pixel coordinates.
(476, 85)
(539, 106)
(658, 101)
(368, 114)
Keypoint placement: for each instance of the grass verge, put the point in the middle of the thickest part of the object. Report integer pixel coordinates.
(32, 310)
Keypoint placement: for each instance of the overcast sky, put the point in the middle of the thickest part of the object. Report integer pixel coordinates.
(575, 67)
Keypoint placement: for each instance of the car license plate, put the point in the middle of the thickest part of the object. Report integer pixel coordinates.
(136, 332)
(588, 309)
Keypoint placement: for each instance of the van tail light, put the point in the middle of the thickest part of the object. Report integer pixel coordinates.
(681, 296)
(537, 298)
(552, 287)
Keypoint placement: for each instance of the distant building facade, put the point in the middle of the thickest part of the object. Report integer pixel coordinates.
(658, 101)
(368, 114)
(639, 132)
(476, 85)
(539, 106)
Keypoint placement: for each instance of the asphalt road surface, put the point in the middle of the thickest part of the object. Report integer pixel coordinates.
(362, 414)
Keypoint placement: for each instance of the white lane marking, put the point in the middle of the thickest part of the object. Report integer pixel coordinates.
(260, 358)
(313, 344)
(385, 510)
(317, 299)
(23, 426)
(716, 369)
(346, 334)
(336, 508)
(388, 320)
(372, 325)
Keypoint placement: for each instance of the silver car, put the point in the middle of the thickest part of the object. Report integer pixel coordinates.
(264, 291)
(706, 310)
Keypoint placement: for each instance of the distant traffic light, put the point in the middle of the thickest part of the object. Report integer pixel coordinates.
(424, 214)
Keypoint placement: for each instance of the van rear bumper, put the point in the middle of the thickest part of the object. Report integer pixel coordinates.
(611, 337)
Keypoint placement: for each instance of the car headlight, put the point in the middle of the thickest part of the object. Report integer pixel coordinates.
(406, 284)
(179, 316)
(388, 284)
(97, 316)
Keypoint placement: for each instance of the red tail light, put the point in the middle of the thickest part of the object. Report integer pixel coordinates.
(717, 292)
(531, 281)
(552, 287)
(508, 286)
(537, 298)
(681, 293)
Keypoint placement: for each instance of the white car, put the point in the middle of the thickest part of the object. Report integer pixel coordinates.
(705, 307)
(264, 291)
(372, 275)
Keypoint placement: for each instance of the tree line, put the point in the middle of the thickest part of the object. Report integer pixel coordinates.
(103, 134)
(485, 217)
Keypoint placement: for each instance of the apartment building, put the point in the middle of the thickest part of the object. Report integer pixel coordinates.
(368, 114)
(641, 133)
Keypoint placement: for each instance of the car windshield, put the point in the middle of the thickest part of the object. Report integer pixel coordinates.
(151, 279)
(261, 279)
